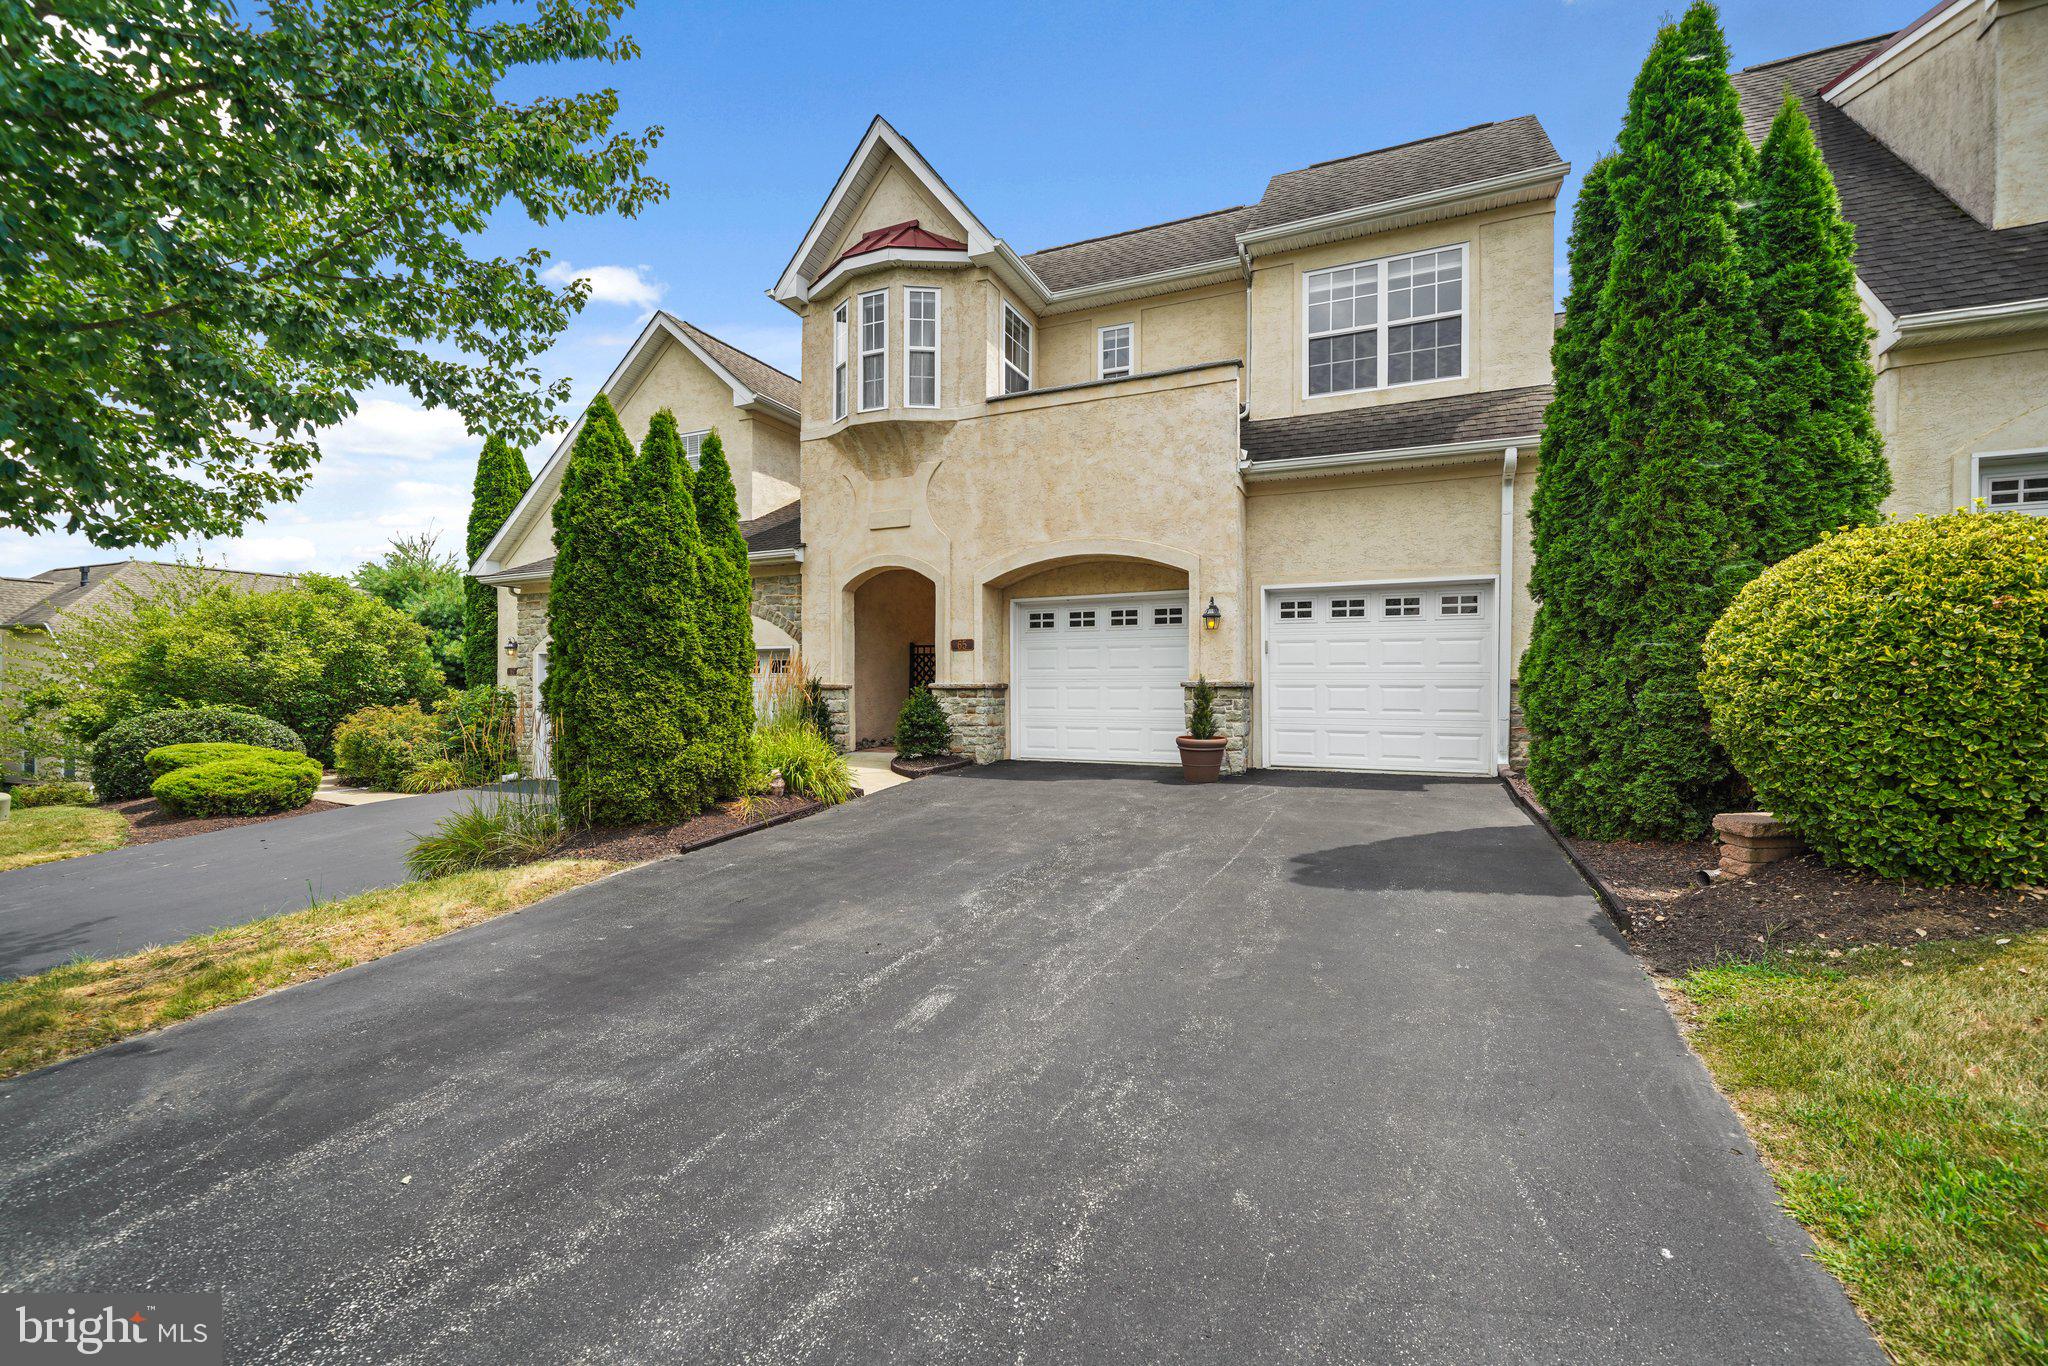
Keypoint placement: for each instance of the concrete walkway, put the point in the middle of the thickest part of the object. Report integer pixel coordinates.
(871, 771)
(127, 899)
(1034, 1062)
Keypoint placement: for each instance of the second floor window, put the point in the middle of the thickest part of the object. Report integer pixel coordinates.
(921, 348)
(839, 362)
(1016, 352)
(1113, 348)
(693, 447)
(874, 349)
(1355, 344)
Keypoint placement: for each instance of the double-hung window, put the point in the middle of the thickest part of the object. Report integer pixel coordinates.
(1400, 320)
(2021, 485)
(1113, 351)
(839, 362)
(921, 348)
(874, 350)
(1016, 351)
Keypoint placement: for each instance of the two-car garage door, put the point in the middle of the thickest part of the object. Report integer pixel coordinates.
(1394, 678)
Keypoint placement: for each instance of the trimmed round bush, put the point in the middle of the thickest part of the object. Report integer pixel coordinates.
(921, 729)
(119, 757)
(169, 757)
(377, 746)
(52, 792)
(1886, 694)
(252, 785)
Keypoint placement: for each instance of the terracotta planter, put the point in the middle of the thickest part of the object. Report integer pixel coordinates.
(1201, 761)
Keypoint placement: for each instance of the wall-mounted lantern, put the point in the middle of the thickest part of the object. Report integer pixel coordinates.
(1212, 617)
(512, 649)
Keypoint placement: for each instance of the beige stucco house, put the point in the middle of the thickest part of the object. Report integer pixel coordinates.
(1289, 445)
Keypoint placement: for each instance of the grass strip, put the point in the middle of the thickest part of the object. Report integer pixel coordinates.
(44, 834)
(84, 1005)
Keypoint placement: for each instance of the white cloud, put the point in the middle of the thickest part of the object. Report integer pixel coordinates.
(266, 552)
(393, 427)
(627, 285)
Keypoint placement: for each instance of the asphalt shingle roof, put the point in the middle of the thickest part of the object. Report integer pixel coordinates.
(1482, 152)
(1495, 414)
(1916, 249)
(782, 529)
(756, 374)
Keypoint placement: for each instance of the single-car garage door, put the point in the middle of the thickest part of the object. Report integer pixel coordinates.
(1098, 678)
(1397, 679)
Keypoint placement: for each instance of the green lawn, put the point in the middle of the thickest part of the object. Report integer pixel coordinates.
(44, 834)
(71, 1009)
(1902, 1099)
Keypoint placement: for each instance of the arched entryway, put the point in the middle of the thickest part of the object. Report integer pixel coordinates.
(895, 640)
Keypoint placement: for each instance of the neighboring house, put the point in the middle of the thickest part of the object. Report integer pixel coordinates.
(35, 613)
(1938, 139)
(708, 384)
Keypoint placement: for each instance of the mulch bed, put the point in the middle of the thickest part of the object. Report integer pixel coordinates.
(149, 822)
(638, 843)
(1675, 924)
(936, 763)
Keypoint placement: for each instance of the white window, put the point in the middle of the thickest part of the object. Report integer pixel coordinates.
(839, 362)
(1168, 616)
(1296, 609)
(874, 350)
(1347, 607)
(1113, 351)
(1016, 351)
(1123, 616)
(1459, 605)
(1080, 618)
(2016, 486)
(1403, 607)
(1042, 621)
(693, 447)
(921, 348)
(771, 661)
(1350, 344)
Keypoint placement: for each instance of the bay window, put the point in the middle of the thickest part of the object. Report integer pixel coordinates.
(921, 348)
(839, 362)
(874, 350)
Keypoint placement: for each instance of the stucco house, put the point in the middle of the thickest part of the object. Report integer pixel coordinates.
(1288, 445)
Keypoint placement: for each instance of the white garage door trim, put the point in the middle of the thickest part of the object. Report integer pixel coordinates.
(1141, 733)
(1423, 753)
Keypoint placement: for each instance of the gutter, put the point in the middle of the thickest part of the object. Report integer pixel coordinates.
(1388, 208)
(1332, 464)
(794, 555)
(1982, 320)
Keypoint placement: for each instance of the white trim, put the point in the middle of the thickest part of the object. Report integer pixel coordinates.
(888, 256)
(1331, 464)
(1130, 366)
(862, 350)
(1366, 213)
(1165, 597)
(1881, 318)
(1384, 325)
(794, 555)
(1003, 365)
(1879, 64)
(1264, 725)
(698, 436)
(1982, 320)
(1980, 498)
(936, 348)
(842, 374)
(1504, 610)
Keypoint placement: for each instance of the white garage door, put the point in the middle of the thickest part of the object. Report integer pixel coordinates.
(1099, 678)
(1397, 679)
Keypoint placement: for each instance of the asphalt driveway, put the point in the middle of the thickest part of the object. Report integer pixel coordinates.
(1036, 1062)
(127, 899)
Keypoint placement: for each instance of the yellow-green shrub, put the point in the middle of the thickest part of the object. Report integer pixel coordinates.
(254, 785)
(166, 758)
(377, 746)
(1886, 694)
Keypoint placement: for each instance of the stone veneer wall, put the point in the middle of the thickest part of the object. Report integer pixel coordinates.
(838, 705)
(1518, 731)
(979, 714)
(1233, 708)
(530, 622)
(779, 598)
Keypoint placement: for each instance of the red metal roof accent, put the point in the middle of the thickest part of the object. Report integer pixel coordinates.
(905, 234)
(1881, 49)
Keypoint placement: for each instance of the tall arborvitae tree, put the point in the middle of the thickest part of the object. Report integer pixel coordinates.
(501, 481)
(725, 622)
(667, 676)
(592, 643)
(1573, 713)
(1683, 462)
(1825, 465)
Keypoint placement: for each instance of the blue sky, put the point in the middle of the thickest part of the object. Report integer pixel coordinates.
(1055, 122)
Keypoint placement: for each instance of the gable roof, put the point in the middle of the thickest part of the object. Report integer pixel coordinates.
(41, 601)
(1512, 159)
(1917, 251)
(754, 384)
(1495, 416)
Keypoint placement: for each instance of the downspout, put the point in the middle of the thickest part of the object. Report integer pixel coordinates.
(1244, 407)
(1505, 646)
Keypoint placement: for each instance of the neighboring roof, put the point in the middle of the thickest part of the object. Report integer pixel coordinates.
(77, 587)
(1469, 156)
(756, 374)
(907, 235)
(1492, 415)
(782, 529)
(1916, 249)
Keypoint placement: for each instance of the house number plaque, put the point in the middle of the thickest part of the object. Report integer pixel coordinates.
(963, 644)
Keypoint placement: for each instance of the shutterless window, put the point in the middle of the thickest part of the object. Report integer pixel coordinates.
(1460, 605)
(874, 349)
(921, 348)
(1354, 343)
(1080, 618)
(1123, 616)
(1347, 607)
(1016, 352)
(1167, 616)
(839, 362)
(1042, 621)
(1297, 609)
(1113, 351)
(2016, 487)
(693, 447)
